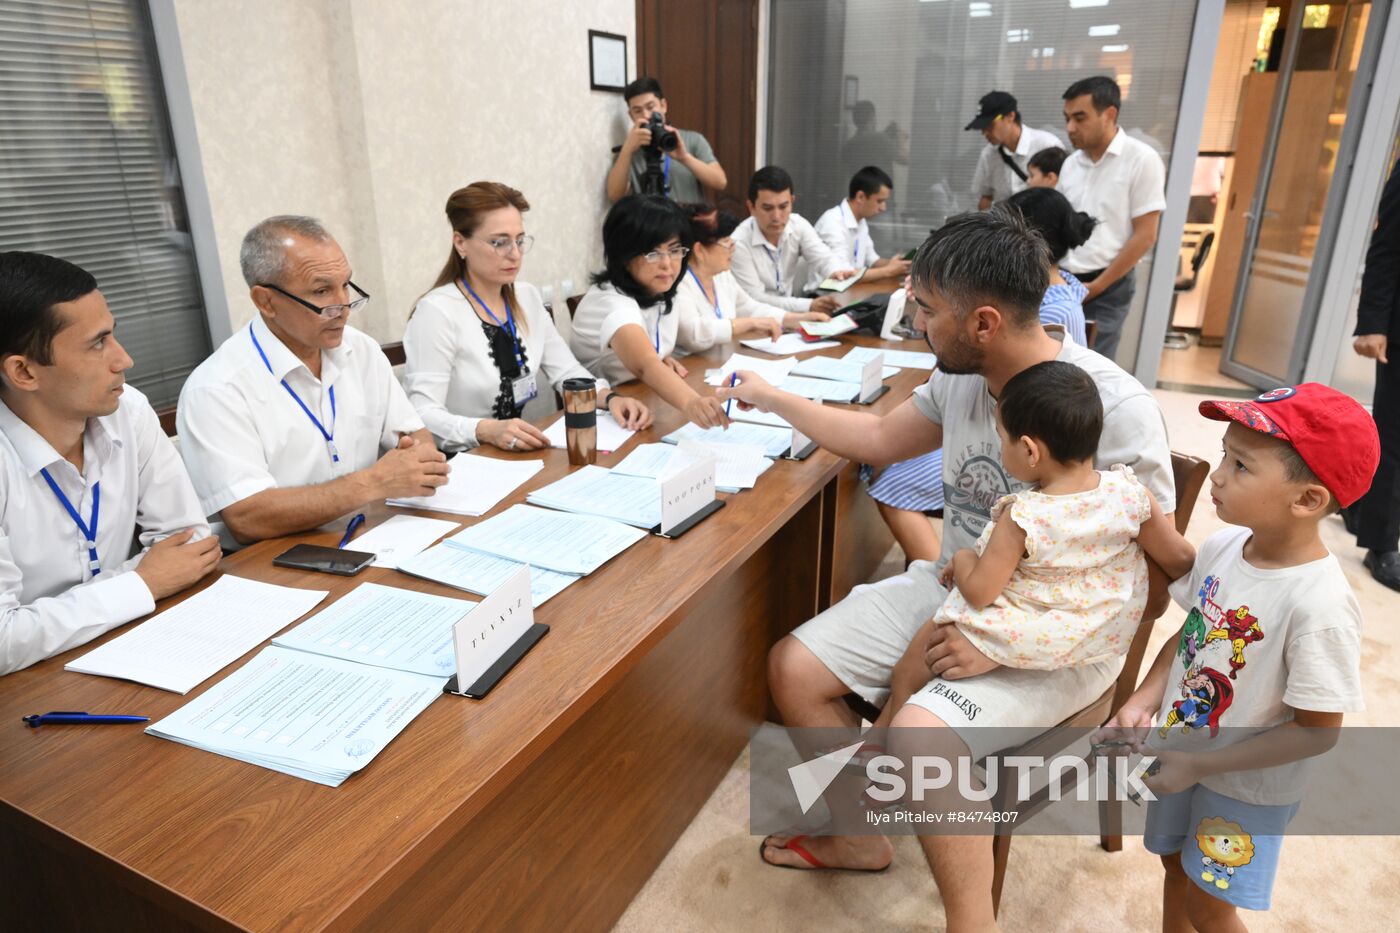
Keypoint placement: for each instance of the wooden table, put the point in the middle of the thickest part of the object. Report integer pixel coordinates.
(548, 804)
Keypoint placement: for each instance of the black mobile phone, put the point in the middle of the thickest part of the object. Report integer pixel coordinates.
(324, 559)
(911, 254)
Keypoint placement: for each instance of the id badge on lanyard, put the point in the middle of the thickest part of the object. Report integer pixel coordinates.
(523, 389)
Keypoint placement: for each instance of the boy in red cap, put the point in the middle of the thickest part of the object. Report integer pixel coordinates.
(1272, 641)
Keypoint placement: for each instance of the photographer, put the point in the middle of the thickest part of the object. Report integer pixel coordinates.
(682, 161)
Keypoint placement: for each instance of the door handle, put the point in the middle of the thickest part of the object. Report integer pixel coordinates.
(1250, 215)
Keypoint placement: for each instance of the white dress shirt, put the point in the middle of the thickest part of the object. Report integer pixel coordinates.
(994, 177)
(450, 376)
(847, 238)
(703, 322)
(604, 309)
(769, 273)
(1126, 183)
(51, 601)
(242, 433)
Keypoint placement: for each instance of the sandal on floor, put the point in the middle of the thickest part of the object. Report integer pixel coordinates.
(795, 845)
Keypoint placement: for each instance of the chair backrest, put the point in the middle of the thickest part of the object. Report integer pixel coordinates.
(1202, 253)
(1091, 332)
(394, 351)
(572, 301)
(1189, 475)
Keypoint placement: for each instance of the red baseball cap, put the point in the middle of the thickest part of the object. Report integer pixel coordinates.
(1334, 435)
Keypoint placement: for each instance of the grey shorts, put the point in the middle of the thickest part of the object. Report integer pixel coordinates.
(862, 637)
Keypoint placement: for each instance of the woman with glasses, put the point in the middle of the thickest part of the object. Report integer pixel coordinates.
(479, 345)
(711, 308)
(625, 328)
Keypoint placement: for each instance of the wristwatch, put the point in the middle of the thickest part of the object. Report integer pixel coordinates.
(607, 399)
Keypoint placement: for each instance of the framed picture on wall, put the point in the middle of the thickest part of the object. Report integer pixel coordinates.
(607, 61)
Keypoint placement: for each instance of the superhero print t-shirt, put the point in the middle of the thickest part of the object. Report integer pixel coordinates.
(1256, 645)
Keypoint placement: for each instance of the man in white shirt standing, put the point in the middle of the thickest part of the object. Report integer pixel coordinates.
(84, 469)
(1001, 168)
(297, 418)
(1119, 181)
(771, 244)
(845, 228)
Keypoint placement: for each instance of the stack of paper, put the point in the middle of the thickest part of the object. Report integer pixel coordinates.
(611, 435)
(462, 568)
(593, 490)
(754, 416)
(841, 324)
(310, 716)
(821, 390)
(384, 626)
(401, 537)
(194, 639)
(840, 370)
(737, 466)
(787, 344)
(904, 359)
(475, 486)
(774, 371)
(559, 541)
(774, 442)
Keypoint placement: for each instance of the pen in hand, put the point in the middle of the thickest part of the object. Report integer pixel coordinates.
(729, 403)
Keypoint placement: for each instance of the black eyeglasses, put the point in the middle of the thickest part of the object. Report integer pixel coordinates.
(330, 311)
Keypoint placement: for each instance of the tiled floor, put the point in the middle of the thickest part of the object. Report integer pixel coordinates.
(1197, 367)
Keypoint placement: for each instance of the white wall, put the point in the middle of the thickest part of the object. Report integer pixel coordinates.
(369, 113)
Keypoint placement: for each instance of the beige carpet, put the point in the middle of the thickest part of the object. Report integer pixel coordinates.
(713, 878)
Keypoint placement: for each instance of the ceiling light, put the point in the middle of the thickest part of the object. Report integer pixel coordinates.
(1081, 4)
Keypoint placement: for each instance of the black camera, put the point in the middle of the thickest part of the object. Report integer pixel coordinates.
(662, 139)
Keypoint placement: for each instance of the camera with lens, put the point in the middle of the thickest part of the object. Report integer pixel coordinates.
(662, 139)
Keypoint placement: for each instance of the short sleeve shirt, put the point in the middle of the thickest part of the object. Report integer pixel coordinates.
(685, 187)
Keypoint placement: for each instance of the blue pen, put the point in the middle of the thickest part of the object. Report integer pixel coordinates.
(73, 718)
(351, 528)
(732, 376)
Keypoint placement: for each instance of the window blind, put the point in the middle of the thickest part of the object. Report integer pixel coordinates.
(88, 173)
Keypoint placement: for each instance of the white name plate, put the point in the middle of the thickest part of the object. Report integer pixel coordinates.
(492, 627)
(686, 492)
(871, 377)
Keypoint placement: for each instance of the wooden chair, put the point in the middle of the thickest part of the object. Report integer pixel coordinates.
(572, 301)
(1091, 332)
(394, 351)
(1189, 474)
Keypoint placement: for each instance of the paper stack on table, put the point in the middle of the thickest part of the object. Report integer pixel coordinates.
(754, 416)
(737, 466)
(904, 359)
(452, 565)
(821, 390)
(401, 537)
(611, 435)
(476, 485)
(840, 324)
(774, 442)
(177, 649)
(840, 370)
(774, 371)
(384, 626)
(787, 344)
(559, 541)
(307, 715)
(594, 490)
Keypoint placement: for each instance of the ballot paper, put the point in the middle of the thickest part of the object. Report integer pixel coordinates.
(177, 649)
(773, 441)
(401, 537)
(754, 416)
(307, 715)
(733, 472)
(840, 370)
(787, 344)
(452, 565)
(840, 324)
(835, 285)
(821, 390)
(384, 626)
(476, 485)
(774, 371)
(594, 490)
(559, 541)
(904, 359)
(611, 435)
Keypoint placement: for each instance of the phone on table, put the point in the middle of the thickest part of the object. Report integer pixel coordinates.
(324, 559)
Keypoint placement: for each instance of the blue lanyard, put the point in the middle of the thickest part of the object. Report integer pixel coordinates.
(855, 255)
(777, 257)
(718, 313)
(89, 531)
(666, 171)
(509, 325)
(328, 435)
(658, 333)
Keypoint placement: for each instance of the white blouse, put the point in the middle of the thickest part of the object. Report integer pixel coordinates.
(700, 325)
(450, 377)
(597, 319)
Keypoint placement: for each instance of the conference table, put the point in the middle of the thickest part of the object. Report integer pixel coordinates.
(546, 804)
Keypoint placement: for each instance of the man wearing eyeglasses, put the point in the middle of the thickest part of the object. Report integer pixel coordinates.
(297, 418)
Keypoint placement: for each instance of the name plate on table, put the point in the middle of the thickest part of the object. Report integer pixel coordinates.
(687, 496)
(801, 447)
(872, 384)
(493, 636)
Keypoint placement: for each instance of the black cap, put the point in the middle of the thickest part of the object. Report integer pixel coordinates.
(996, 104)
